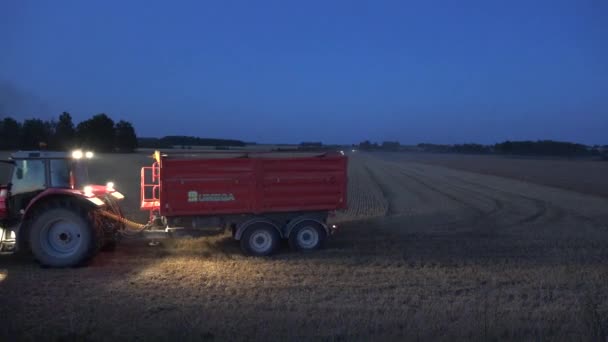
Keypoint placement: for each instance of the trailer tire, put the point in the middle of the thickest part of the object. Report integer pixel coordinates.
(307, 236)
(260, 239)
(62, 237)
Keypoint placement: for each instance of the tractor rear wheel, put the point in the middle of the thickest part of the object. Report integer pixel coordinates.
(61, 237)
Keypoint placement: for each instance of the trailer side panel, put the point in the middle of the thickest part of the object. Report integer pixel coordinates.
(251, 185)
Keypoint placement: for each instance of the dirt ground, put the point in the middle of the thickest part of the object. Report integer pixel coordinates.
(424, 252)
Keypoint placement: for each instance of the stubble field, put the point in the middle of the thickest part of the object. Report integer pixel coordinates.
(423, 252)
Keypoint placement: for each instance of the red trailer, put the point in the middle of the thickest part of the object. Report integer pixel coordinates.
(261, 197)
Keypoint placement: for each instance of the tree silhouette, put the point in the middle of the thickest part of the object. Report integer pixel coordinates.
(365, 145)
(97, 133)
(35, 134)
(126, 140)
(65, 133)
(390, 145)
(10, 134)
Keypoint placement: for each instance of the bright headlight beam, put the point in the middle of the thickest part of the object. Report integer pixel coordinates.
(89, 154)
(117, 195)
(77, 154)
(96, 201)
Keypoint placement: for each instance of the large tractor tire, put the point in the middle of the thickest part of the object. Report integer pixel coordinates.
(307, 236)
(64, 237)
(260, 239)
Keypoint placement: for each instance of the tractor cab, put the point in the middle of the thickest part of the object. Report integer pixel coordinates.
(35, 171)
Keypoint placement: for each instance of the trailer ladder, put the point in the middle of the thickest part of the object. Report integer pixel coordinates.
(150, 188)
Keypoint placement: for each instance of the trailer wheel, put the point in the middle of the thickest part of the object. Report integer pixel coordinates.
(260, 239)
(62, 237)
(307, 236)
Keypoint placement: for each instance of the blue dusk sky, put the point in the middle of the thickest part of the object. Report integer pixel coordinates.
(332, 71)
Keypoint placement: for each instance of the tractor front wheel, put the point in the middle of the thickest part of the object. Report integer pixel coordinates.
(62, 237)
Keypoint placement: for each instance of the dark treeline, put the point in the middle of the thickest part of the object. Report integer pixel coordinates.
(313, 146)
(524, 148)
(542, 147)
(186, 142)
(384, 146)
(99, 133)
(310, 146)
(458, 148)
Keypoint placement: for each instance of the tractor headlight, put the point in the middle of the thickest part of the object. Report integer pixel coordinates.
(77, 154)
(88, 191)
(88, 154)
(110, 186)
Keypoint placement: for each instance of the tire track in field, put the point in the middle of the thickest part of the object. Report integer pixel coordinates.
(365, 196)
(458, 190)
(464, 192)
(542, 208)
(390, 210)
(481, 204)
(444, 193)
(406, 189)
(435, 198)
(544, 211)
(398, 190)
(388, 193)
(498, 204)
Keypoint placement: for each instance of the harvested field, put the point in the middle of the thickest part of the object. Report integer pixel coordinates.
(424, 252)
(365, 197)
(581, 174)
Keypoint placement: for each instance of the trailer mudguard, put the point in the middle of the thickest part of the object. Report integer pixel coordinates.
(244, 225)
(311, 217)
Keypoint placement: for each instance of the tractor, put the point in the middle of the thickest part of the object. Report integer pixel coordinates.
(49, 208)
